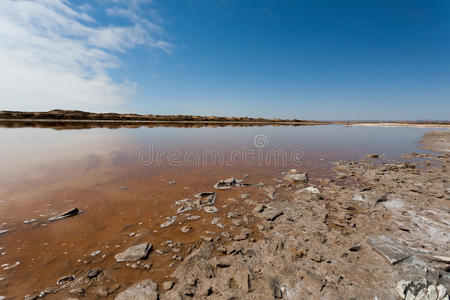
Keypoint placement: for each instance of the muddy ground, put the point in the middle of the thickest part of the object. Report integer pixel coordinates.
(379, 230)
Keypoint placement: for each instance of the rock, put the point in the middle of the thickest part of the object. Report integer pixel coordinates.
(93, 273)
(392, 252)
(259, 208)
(401, 288)
(307, 195)
(211, 209)
(29, 221)
(134, 253)
(192, 218)
(95, 253)
(144, 290)
(224, 262)
(65, 279)
(240, 237)
(379, 199)
(270, 214)
(206, 238)
(77, 291)
(312, 282)
(183, 209)
(167, 285)
(207, 198)
(355, 248)
(225, 184)
(432, 292)
(293, 171)
(232, 215)
(170, 221)
(101, 292)
(442, 291)
(372, 156)
(296, 177)
(275, 287)
(245, 196)
(185, 229)
(271, 192)
(172, 182)
(312, 190)
(71, 212)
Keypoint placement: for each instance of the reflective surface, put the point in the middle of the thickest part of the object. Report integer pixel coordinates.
(126, 182)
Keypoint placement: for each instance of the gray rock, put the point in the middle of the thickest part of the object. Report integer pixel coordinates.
(29, 221)
(170, 221)
(183, 209)
(393, 253)
(168, 285)
(270, 214)
(185, 229)
(401, 288)
(296, 177)
(225, 184)
(207, 198)
(144, 290)
(259, 208)
(134, 253)
(93, 273)
(65, 279)
(211, 209)
(77, 291)
(71, 212)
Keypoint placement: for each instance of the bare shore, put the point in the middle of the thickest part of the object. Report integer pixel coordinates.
(81, 119)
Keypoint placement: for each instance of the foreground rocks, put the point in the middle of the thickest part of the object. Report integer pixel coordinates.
(134, 253)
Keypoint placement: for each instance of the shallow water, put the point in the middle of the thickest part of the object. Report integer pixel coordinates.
(120, 179)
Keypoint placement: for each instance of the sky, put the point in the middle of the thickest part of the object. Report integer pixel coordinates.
(321, 60)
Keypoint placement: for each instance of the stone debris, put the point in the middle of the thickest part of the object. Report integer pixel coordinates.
(270, 213)
(93, 273)
(185, 229)
(391, 251)
(71, 212)
(29, 221)
(409, 290)
(296, 178)
(170, 221)
(328, 244)
(144, 290)
(134, 253)
(65, 279)
(211, 209)
(225, 184)
(167, 285)
(206, 198)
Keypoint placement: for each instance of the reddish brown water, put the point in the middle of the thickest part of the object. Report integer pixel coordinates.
(120, 179)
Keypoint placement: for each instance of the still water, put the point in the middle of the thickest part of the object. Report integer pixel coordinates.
(126, 182)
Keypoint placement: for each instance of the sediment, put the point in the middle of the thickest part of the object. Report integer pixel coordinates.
(378, 230)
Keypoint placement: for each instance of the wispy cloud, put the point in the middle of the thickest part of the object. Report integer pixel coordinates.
(55, 54)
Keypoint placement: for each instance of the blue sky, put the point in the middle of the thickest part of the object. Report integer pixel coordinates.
(288, 59)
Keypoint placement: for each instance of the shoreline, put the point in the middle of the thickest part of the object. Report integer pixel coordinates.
(375, 230)
(60, 123)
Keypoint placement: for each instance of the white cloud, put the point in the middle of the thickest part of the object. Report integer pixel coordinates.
(56, 55)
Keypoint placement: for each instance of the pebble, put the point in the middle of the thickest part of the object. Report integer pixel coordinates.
(185, 229)
(170, 221)
(211, 209)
